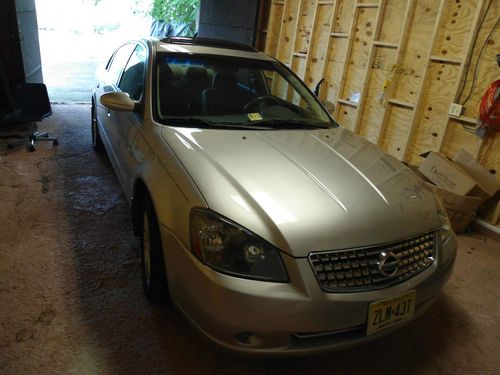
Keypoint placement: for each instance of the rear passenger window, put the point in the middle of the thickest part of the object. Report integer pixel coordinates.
(132, 81)
(119, 60)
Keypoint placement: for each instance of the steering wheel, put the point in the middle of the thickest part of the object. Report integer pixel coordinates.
(277, 101)
(260, 99)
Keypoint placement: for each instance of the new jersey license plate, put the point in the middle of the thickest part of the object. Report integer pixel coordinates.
(389, 312)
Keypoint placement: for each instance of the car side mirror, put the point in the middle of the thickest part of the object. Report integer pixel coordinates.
(119, 101)
(329, 106)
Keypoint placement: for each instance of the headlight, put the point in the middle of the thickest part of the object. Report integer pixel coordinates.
(231, 249)
(445, 231)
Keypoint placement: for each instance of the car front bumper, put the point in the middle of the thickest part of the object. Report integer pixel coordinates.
(295, 318)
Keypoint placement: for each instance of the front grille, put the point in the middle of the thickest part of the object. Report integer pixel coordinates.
(373, 267)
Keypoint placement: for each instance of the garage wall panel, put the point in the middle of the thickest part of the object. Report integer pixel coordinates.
(417, 47)
(381, 69)
(398, 126)
(392, 25)
(393, 67)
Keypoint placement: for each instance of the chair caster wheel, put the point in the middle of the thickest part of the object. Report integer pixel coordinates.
(55, 143)
(31, 148)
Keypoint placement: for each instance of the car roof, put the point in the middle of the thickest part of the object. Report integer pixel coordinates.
(208, 46)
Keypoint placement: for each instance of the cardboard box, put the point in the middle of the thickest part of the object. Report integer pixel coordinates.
(486, 181)
(490, 211)
(493, 216)
(448, 175)
(460, 208)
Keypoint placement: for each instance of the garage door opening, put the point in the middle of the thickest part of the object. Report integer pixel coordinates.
(77, 36)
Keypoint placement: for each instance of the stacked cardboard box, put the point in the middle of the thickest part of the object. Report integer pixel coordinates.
(489, 210)
(463, 185)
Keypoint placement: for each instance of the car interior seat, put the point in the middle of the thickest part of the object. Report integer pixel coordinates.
(172, 97)
(224, 97)
(197, 81)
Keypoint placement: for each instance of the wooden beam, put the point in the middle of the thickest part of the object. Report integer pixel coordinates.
(369, 62)
(273, 27)
(324, 70)
(289, 20)
(311, 41)
(418, 103)
(350, 42)
(466, 57)
(401, 48)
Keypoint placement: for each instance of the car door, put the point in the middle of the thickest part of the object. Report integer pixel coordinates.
(107, 119)
(126, 124)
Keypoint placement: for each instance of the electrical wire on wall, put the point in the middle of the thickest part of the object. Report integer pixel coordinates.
(481, 131)
(467, 69)
(489, 113)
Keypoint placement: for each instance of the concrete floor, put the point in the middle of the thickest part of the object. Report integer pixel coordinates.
(71, 300)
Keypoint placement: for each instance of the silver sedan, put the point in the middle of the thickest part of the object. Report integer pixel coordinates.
(269, 226)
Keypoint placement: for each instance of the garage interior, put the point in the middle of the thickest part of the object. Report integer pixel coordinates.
(71, 298)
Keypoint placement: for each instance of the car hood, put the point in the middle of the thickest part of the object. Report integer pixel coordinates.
(305, 190)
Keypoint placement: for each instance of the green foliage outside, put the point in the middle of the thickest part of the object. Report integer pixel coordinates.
(178, 11)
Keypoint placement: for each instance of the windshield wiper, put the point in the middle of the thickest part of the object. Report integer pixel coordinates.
(194, 122)
(290, 123)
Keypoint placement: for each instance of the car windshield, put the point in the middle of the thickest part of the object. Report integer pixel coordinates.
(214, 91)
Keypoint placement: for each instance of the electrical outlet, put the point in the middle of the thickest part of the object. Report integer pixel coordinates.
(456, 109)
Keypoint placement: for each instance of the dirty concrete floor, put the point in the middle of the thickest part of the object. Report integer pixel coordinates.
(71, 300)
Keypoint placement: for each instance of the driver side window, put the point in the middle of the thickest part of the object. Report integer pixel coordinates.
(132, 80)
(120, 58)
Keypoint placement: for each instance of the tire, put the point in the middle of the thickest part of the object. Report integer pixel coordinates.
(152, 262)
(97, 144)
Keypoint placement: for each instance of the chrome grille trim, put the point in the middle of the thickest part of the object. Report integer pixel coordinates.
(358, 269)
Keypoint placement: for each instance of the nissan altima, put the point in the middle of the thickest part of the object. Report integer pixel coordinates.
(272, 229)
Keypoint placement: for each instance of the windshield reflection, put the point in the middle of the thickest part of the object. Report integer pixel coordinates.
(206, 91)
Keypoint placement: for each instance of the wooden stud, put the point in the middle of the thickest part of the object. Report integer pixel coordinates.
(348, 53)
(264, 8)
(371, 54)
(446, 60)
(289, 21)
(311, 41)
(320, 40)
(467, 56)
(401, 103)
(410, 8)
(274, 27)
(348, 102)
(367, 5)
(379, 43)
(416, 111)
(335, 11)
(295, 53)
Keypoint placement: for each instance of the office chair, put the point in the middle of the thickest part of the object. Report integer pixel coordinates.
(31, 105)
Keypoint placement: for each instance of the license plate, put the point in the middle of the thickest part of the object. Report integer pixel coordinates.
(389, 312)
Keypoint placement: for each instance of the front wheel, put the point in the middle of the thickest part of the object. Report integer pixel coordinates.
(97, 144)
(153, 266)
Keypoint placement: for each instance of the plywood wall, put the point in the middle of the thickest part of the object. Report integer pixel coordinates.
(394, 67)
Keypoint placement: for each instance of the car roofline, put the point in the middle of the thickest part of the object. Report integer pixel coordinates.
(208, 42)
(207, 46)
